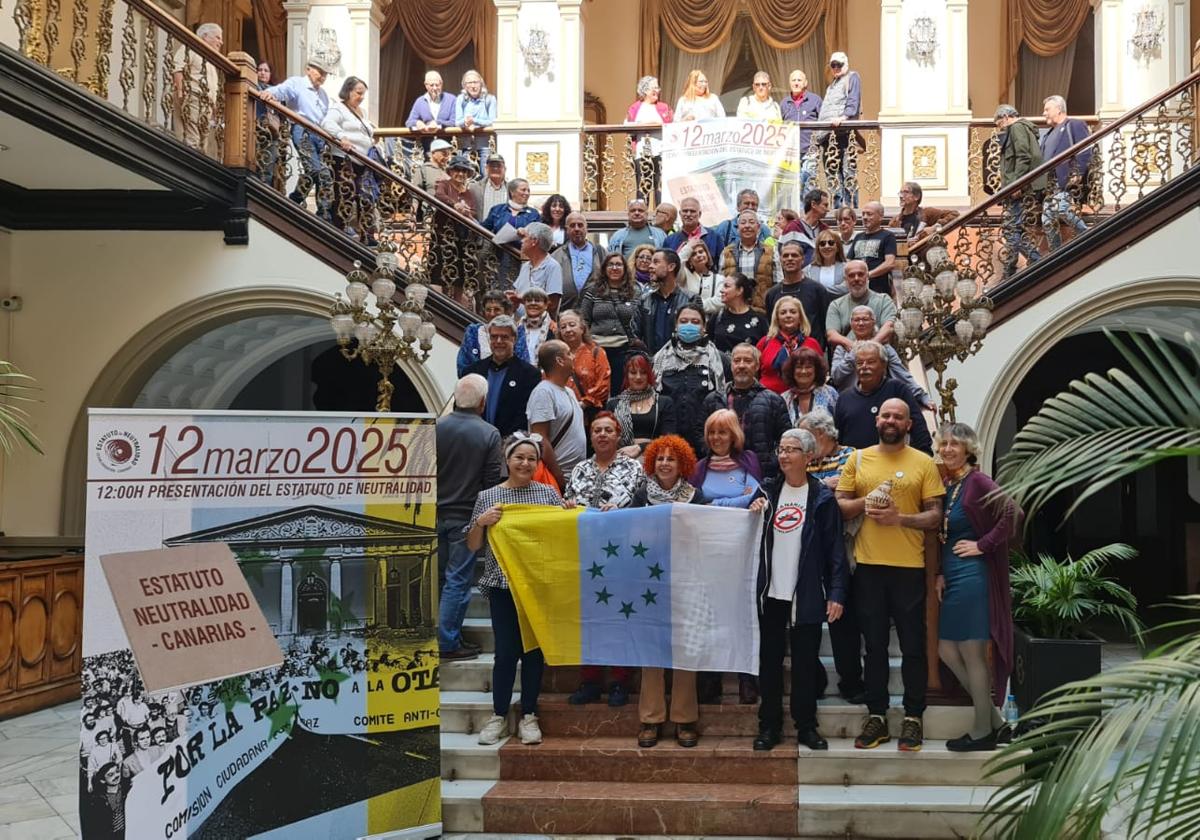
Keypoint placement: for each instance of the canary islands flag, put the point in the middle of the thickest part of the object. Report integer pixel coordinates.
(668, 586)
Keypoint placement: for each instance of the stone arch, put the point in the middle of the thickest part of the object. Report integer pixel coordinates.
(1183, 291)
(129, 369)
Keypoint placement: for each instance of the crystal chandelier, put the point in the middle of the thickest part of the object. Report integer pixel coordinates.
(389, 331)
(922, 41)
(1146, 41)
(943, 316)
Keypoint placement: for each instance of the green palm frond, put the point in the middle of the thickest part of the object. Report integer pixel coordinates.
(1104, 428)
(16, 387)
(1123, 745)
(1057, 599)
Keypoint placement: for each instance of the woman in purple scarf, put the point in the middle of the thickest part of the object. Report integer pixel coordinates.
(973, 585)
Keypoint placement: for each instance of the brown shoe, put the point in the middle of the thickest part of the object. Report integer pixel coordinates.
(686, 735)
(648, 736)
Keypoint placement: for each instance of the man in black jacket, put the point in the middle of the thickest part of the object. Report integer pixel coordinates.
(802, 580)
(510, 380)
(858, 406)
(763, 413)
(662, 302)
(813, 296)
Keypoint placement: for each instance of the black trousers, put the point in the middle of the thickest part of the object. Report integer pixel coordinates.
(805, 642)
(845, 638)
(892, 595)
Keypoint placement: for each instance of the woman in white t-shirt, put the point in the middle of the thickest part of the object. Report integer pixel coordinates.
(697, 102)
(802, 580)
(647, 149)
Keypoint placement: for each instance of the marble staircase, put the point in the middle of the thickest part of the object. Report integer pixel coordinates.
(589, 777)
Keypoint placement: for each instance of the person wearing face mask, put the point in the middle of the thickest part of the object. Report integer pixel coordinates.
(689, 368)
(660, 305)
(789, 331)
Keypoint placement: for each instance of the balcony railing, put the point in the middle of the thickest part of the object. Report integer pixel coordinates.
(151, 67)
(1036, 214)
(619, 163)
(983, 154)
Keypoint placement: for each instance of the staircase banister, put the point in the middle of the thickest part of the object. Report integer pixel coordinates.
(648, 128)
(378, 168)
(184, 35)
(448, 131)
(1025, 180)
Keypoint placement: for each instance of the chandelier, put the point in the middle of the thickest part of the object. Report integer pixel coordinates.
(387, 332)
(943, 316)
(922, 41)
(1146, 41)
(536, 52)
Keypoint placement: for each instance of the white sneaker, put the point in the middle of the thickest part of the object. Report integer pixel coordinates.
(495, 729)
(529, 730)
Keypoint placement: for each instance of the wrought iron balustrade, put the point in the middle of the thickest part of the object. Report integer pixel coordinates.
(983, 154)
(1117, 164)
(410, 143)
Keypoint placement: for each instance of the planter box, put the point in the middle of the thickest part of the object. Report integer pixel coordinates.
(41, 619)
(1042, 665)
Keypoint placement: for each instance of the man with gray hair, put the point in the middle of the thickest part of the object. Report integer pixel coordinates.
(1020, 154)
(537, 269)
(843, 372)
(837, 317)
(727, 231)
(510, 380)
(1068, 188)
(468, 461)
(197, 86)
(802, 582)
(306, 96)
(758, 104)
(876, 246)
(578, 259)
(858, 406)
(433, 111)
(637, 231)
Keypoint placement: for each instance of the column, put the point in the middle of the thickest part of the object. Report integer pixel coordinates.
(287, 595)
(923, 78)
(297, 36)
(345, 35)
(335, 578)
(1129, 75)
(366, 18)
(539, 111)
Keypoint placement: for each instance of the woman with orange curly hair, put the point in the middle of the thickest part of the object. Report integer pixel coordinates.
(667, 460)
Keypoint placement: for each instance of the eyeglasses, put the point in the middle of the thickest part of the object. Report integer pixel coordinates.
(789, 450)
(762, 84)
(827, 244)
(836, 65)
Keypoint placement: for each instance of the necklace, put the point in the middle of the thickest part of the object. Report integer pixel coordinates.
(944, 531)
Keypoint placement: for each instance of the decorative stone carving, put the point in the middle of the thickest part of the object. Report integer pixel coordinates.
(924, 162)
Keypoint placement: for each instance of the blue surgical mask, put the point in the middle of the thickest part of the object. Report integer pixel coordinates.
(688, 333)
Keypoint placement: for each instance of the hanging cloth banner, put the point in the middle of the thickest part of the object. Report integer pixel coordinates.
(712, 160)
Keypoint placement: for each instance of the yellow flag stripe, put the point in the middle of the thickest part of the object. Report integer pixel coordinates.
(537, 546)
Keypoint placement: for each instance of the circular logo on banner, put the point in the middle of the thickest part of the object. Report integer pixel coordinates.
(118, 451)
(789, 518)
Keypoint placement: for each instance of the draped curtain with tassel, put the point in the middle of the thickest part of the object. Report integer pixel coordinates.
(1045, 27)
(716, 64)
(439, 31)
(702, 28)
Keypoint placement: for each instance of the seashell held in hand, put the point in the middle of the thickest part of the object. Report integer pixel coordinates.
(881, 496)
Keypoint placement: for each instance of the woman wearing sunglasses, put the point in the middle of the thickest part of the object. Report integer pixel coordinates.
(828, 263)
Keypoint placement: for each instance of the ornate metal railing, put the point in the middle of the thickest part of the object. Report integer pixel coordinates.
(619, 163)
(983, 154)
(150, 66)
(370, 198)
(136, 56)
(408, 143)
(1082, 187)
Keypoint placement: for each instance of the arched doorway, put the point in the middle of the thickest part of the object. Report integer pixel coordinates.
(1156, 510)
(312, 604)
(261, 348)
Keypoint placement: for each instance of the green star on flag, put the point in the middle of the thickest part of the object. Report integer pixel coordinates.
(597, 570)
(610, 550)
(640, 550)
(656, 571)
(650, 597)
(603, 595)
(627, 609)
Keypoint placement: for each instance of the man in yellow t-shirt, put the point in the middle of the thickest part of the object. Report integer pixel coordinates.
(889, 583)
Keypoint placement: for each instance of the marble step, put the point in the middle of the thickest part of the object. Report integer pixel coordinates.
(462, 806)
(890, 811)
(476, 675)
(463, 757)
(717, 759)
(640, 809)
(836, 719)
(478, 629)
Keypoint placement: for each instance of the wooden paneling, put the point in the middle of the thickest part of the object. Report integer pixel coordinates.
(41, 620)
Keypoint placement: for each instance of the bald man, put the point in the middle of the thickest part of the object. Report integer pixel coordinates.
(876, 246)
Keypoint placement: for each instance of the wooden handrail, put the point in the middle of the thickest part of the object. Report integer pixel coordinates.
(403, 131)
(181, 33)
(1007, 192)
(380, 169)
(649, 128)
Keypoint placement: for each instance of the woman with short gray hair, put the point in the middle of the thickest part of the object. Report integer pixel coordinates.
(829, 458)
(647, 109)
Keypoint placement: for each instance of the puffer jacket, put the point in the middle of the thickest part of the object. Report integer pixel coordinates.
(688, 389)
(764, 417)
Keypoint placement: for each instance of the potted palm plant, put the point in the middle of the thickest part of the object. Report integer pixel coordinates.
(15, 387)
(1054, 601)
(1116, 753)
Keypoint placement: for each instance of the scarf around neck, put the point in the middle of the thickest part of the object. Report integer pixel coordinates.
(680, 492)
(676, 356)
(624, 411)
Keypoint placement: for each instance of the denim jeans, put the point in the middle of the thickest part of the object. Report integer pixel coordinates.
(457, 563)
(1057, 210)
(1016, 238)
(314, 173)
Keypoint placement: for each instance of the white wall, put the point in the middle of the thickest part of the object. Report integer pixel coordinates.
(1158, 267)
(87, 293)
